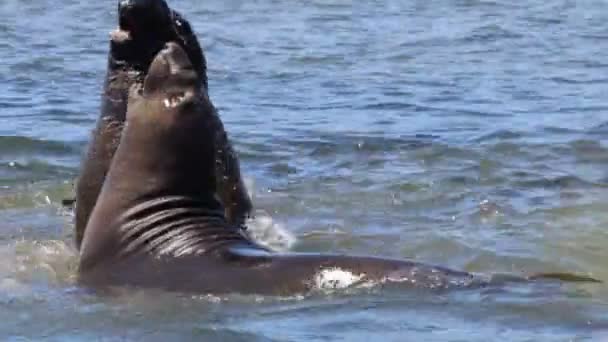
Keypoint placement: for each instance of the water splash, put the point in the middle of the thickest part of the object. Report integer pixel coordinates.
(336, 278)
(29, 263)
(265, 231)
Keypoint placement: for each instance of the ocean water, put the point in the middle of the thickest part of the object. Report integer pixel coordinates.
(467, 133)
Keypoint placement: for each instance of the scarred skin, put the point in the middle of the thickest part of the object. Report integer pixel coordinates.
(145, 26)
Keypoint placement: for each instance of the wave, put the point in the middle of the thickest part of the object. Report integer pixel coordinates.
(20, 145)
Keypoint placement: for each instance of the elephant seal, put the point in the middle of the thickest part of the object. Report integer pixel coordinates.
(157, 222)
(144, 27)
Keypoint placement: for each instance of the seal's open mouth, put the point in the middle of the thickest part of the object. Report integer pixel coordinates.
(127, 22)
(175, 100)
(144, 27)
(143, 18)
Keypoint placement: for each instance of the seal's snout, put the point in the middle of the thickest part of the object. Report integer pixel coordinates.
(171, 71)
(176, 58)
(142, 15)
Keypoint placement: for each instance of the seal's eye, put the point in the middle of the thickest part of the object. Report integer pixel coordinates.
(174, 100)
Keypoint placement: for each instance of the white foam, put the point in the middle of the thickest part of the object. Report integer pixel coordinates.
(249, 185)
(24, 261)
(265, 231)
(11, 287)
(336, 278)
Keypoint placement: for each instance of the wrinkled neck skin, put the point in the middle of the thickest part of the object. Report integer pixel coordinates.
(125, 69)
(159, 195)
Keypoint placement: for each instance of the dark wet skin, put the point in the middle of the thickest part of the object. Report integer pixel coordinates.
(157, 223)
(144, 28)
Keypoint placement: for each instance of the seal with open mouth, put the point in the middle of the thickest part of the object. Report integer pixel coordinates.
(144, 28)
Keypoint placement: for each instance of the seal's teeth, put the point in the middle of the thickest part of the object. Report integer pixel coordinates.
(177, 100)
(174, 100)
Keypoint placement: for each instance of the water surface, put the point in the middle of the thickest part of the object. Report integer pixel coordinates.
(471, 134)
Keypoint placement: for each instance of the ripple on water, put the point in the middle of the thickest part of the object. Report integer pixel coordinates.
(19, 145)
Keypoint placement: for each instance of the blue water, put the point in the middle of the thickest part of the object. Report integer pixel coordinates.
(467, 133)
